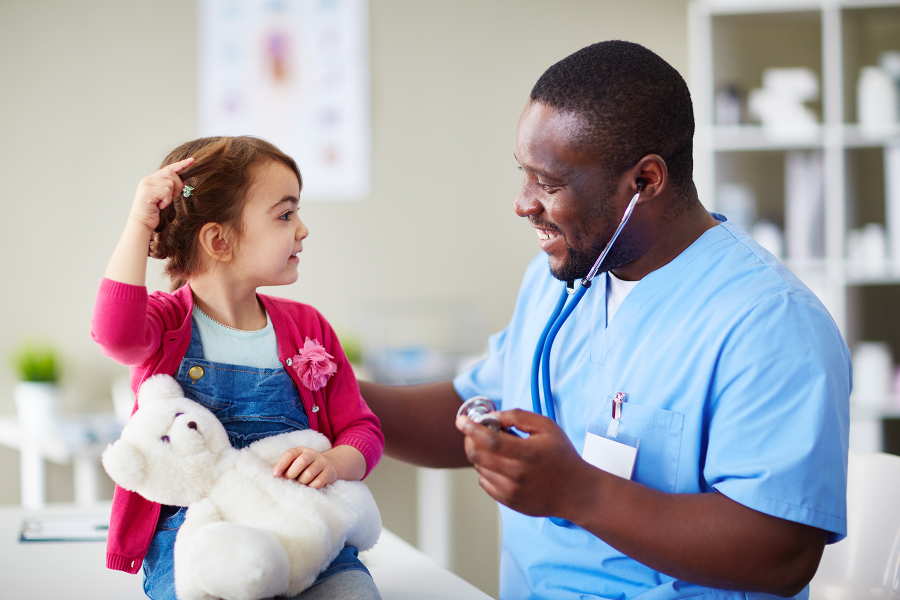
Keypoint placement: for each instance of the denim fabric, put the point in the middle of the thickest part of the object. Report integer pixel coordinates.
(252, 404)
(348, 585)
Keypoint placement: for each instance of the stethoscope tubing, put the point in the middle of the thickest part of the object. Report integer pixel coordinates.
(538, 351)
(545, 358)
(540, 365)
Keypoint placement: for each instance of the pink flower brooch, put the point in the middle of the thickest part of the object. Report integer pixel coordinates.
(313, 365)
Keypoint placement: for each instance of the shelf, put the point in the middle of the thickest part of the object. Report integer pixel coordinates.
(750, 7)
(754, 137)
(862, 412)
(732, 43)
(741, 138)
(889, 277)
(855, 138)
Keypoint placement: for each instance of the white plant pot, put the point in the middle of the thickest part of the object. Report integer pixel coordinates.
(37, 404)
(123, 398)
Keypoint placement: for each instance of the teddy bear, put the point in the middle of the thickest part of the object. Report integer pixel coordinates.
(246, 534)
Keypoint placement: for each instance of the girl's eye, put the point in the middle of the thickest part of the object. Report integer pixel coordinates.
(286, 216)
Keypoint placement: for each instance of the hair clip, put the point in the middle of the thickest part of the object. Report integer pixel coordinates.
(187, 191)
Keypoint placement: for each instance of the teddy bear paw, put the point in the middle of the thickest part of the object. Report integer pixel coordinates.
(237, 562)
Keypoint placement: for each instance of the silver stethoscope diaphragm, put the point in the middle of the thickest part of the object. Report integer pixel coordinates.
(478, 408)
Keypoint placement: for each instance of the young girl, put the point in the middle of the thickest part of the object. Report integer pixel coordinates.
(223, 213)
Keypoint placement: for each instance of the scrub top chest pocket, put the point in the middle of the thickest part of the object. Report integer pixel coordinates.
(659, 432)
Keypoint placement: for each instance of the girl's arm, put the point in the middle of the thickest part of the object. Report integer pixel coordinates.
(356, 435)
(120, 323)
(128, 263)
(318, 469)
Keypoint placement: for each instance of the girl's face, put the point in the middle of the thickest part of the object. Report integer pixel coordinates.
(272, 234)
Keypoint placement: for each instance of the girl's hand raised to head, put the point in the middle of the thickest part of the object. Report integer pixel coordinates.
(128, 263)
(155, 192)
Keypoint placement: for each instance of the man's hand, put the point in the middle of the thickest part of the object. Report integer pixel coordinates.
(534, 475)
(707, 539)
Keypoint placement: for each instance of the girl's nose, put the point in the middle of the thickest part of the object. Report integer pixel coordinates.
(302, 231)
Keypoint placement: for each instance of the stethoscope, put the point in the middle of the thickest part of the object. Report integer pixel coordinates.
(479, 407)
(540, 366)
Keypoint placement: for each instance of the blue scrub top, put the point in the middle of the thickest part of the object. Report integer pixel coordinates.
(738, 381)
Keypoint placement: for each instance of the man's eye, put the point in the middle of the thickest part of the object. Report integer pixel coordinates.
(286, 216)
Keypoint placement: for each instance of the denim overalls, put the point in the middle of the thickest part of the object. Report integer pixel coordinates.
(252, 404)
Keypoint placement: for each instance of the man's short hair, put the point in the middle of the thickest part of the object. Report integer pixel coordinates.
(633, 103)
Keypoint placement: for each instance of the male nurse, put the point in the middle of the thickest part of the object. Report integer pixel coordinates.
(720, 367)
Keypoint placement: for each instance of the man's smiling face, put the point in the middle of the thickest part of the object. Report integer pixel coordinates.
(568, 195)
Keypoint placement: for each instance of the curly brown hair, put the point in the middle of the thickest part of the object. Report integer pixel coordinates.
(221, 174)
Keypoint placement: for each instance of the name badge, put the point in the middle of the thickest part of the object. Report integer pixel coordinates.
(610, 450)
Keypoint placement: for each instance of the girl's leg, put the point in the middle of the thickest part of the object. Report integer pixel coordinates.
(352, 584)
(159, 577)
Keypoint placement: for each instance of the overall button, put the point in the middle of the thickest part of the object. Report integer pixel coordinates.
(195, 373)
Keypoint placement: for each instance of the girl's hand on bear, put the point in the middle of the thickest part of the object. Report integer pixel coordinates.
(156, 192)
(306, 466)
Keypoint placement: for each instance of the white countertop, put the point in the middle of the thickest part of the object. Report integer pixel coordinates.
(77, 570)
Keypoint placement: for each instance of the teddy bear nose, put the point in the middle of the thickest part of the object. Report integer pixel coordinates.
(192, 425)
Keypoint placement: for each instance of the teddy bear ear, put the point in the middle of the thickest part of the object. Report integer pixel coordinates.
(158, 387)
(125, 464)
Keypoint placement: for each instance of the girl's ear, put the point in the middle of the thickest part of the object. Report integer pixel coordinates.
(215, 242)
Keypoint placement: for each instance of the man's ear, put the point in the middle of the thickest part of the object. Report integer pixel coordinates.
(653, 173)
(215, 241)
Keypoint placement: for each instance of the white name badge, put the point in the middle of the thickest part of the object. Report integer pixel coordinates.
(614, 455)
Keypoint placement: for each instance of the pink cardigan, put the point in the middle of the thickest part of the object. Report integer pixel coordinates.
(152, 334)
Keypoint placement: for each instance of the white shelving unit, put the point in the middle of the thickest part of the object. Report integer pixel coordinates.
(731, 42)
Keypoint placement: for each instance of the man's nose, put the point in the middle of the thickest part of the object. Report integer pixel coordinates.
(525, 204)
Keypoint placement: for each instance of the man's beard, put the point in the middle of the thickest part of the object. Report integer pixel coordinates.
(578, 263)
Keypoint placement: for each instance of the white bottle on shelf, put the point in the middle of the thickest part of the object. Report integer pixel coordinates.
(892, 200)
(876, 101)
(804, 205)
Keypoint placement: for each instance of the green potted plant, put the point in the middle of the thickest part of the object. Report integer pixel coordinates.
(37, 392)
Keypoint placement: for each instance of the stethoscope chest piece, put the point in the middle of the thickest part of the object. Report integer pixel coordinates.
(478, 408)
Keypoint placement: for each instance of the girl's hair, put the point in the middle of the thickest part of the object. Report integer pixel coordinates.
(222, 171)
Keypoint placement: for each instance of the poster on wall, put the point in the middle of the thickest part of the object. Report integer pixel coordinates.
(295, 73)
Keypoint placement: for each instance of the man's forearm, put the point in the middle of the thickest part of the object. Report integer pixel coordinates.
(706, 539)
(418, 422)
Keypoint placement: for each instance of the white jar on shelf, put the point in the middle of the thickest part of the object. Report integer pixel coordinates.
(873, 370)
(877, 102)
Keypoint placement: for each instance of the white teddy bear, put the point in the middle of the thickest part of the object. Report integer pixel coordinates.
(247, 534)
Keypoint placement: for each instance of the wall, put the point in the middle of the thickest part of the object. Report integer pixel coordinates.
(95, 92)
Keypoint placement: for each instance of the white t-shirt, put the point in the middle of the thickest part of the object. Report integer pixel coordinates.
(221, 344)
(616, 290)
